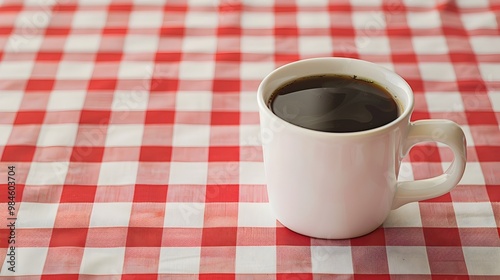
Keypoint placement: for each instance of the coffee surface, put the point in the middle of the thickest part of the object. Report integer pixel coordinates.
(334, 103)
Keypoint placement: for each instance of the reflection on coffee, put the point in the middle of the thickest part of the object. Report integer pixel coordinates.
(334, 103)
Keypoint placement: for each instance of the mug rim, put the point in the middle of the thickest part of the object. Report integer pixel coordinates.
(264, 108)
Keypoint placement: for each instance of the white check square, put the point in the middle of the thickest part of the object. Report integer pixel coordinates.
(257, 20)
(93, 2)
(36, 215)
(482, 20)
(192, 173)
(89, 19)
(485, 44)
(314, 45)
(405, 172)
(29, 2)
(315, 3)
(135, 70)
(257, 44)
(420, 3)
(5, 130)
(473, 174)
(490, 74)
(191, 135)
(124, 135)
(473, 4)
(250, 134)
(313, 19)
(199, 44)
(82, 43)
(57, 135)
(118, 173)
(252, 173)
(430, 45)
(255, 215)
(369, 23)
(193, 101)
(32, 20)
(67, 100)
(102, 261)
(20, 43)
(141, 43)
(29, 261)
(331, 259)
(444, 102)
(191, 70)
(15, 70)
(248, 102)
(150, 2)
(437, 71)
(255, 70)
(366, 2)
(196, 19)
(130, 100)
(250, 259)
(184, 215)
(146, 19)
(493, 95)
(424, 20)
(373, 45)
(408, 260)
(110, 214)
(474, 215)
(47, 173)
(179, 260)
(75, 70)
(10, 101)
(482, 260)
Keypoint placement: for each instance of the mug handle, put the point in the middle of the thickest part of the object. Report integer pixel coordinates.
(443, 131)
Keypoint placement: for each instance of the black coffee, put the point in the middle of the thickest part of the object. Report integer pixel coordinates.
(334, 103)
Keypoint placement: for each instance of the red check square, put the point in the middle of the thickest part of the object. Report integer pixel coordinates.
(87, 154)
(222, 193)
(18, 153)
(75, 193)
(102, 84)
(150, 193)
(151, 153)
(478, 118)
(163, 85)
(160, 117)
(144, 237)
(40, 85)
(220, 85)
(488, 153)
(94, 117)
(72, 237)
(30, 117)
(223, 154)
(225, 118)
(442, 237)
(219, 236)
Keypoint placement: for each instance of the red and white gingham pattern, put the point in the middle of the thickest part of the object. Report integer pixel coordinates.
(133, 129)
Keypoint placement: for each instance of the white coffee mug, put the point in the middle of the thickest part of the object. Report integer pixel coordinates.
(343, 185)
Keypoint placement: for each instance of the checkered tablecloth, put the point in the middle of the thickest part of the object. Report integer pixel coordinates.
(129, 137)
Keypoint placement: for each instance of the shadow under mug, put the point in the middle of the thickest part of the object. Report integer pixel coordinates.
(344, 185)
